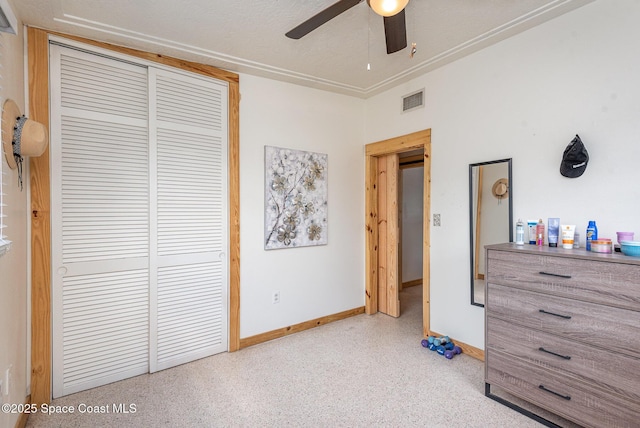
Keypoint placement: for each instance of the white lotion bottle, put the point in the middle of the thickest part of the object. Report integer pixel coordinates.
(520, 232)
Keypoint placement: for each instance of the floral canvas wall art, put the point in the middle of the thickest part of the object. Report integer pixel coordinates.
(295, 198)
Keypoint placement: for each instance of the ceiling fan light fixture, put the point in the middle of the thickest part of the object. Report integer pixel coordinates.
(387, 7)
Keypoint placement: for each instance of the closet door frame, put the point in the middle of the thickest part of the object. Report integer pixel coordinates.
(39, 169)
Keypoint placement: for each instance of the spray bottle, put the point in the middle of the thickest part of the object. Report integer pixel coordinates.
(592, 233)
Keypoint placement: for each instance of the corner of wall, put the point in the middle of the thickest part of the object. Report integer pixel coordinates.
(14, 300)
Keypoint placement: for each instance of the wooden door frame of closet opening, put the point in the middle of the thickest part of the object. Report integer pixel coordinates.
(38, 69)
(405, 143)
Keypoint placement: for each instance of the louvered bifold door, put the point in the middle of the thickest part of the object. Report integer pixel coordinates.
(189, 264)
(100, 220)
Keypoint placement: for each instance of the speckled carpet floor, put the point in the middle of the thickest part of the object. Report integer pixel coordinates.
(359, 372)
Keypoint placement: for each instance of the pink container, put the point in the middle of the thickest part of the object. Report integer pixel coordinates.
(602, 245)
(624, 236)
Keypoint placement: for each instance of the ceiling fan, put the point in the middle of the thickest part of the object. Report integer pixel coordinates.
(395, 28)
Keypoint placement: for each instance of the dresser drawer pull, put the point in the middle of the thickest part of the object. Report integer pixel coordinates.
(566, 397)
(555, 274)
(566, 357)
(567, 317)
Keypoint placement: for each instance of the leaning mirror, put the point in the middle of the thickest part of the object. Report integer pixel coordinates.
(490, 216)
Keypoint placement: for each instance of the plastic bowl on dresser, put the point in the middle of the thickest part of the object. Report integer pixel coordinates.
(630, 248)
(624, 236)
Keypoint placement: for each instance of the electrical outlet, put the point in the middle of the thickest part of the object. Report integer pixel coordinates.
(276, 297)
(436, 219)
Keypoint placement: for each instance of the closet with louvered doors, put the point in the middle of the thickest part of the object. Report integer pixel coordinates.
(138, 215)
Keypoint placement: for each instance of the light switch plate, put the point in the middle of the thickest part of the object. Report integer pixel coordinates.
(436, 219)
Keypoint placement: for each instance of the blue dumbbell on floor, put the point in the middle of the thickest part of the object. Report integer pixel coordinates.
(450, 353)
(428, 342)
(442, 345)
(441, 340)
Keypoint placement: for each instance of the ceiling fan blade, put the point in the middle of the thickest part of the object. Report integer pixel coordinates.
(395, 31)
(325, 16)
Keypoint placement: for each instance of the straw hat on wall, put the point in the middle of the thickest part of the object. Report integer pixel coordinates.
(21, 136)
(500, 188)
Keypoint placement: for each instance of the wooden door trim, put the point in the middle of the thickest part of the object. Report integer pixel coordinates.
(38, 69)
(38, 57)
(405, 143)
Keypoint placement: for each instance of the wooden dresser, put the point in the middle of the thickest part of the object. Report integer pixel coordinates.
(562, 331)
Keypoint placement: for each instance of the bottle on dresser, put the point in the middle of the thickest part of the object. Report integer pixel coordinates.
(592, 234)
(520, 232)
(540, 233)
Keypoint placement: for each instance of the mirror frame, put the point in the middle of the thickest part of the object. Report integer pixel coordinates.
(472, 229)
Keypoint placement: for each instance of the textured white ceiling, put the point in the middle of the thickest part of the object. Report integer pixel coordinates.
(247, 36)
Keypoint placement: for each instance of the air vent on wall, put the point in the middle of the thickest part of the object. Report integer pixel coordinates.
(413, 101)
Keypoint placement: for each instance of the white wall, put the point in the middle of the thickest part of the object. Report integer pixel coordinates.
(412, 208)
(526, 98)
(13, 265)
(312, 281)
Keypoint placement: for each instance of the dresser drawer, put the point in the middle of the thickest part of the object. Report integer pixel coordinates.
(614, 329)
(610, 283)
(571, 399)
(612, 372)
